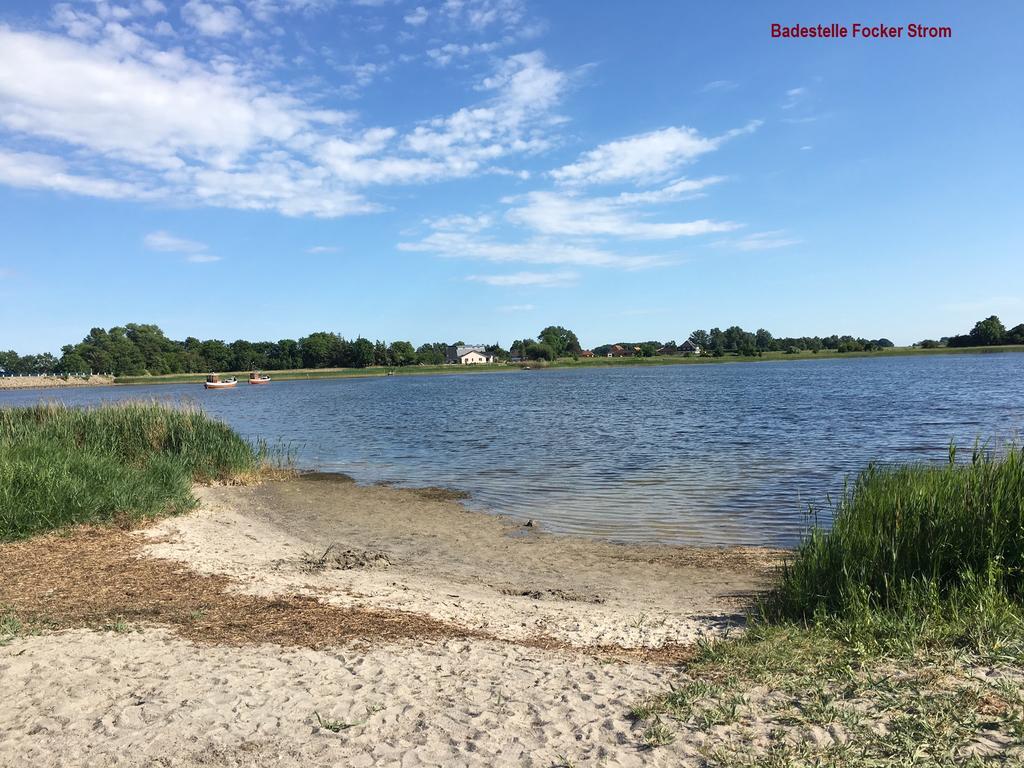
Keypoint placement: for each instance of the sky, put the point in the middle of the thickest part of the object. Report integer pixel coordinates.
(476, 170)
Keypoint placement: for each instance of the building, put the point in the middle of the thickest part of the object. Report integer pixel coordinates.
(586, 353)
(468, 354)
(689, 347)
(618, 350)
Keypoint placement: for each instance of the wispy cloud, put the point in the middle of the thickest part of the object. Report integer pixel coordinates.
(644, 157)
(323, 249)
(720, 85)
(793, 97)
(527, 279)
(193, 251)
(162, 240)
(761, 241)
(554, 213)
(516, 308)
(461, 245)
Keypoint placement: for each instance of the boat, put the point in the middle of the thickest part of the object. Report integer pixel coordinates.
(258, 378)
(214, 381)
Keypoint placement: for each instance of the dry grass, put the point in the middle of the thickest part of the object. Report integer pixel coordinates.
(93, 577)
(99, 577)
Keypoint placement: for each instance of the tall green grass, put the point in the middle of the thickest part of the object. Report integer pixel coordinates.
(919, 551)
(61, 466)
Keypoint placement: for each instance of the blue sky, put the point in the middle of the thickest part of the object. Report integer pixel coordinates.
(478, 169)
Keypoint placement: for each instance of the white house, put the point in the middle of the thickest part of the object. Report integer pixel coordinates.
(468, 354)
(473, 357)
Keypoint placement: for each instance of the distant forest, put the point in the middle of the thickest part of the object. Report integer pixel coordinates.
(137, 349)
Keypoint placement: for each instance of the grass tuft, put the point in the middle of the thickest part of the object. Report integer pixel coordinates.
(62, 466)
(918, 555)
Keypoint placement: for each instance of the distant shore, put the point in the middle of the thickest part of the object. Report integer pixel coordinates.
(598, 362)
(53, 382)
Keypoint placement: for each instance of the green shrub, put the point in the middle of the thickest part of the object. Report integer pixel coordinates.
(919, 550)
(61, 466)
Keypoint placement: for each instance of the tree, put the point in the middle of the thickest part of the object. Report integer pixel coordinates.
(988, 332)
(716, 341)
(561, 340)
(701, 339)
(361, 353)
(1015, 335)
(431, 354)
(319, 350)
(402, 353)
(763, 340)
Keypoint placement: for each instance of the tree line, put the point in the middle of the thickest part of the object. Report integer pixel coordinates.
(735, 340)
(989, 332)
(137, 349)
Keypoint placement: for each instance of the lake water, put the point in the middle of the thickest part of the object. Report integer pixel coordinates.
(700, 454)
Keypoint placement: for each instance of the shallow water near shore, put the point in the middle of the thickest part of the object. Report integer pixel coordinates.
(715, 454)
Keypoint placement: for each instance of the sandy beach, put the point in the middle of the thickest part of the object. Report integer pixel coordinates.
(315, 620)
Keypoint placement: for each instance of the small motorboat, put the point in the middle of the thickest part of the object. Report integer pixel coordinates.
(258, 378)
(214, 381)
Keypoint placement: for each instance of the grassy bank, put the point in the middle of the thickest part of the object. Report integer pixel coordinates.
(919, 552)
(599, 362)
(61, 466)
(896, 638)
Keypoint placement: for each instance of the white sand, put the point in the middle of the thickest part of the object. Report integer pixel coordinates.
(149, 698)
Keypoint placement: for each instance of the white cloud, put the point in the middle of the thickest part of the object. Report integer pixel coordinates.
(323, 249)
(513, 121)
(552, 213)
(168, 126)
(480, 14)
(417, 17)
(37, 171)
(461, 245)
(211, 20)
(644, 157)
(517, 308)
(720, 85)
(162, 240)
(527, 279)
(444, 55)
(761, 241)
(265, 10)
(193, 251)
(793, 97)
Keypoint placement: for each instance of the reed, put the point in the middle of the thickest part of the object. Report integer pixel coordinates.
(61, 466)
(918, 551)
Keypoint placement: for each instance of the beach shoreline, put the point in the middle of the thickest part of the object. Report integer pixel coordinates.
(372, 605)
